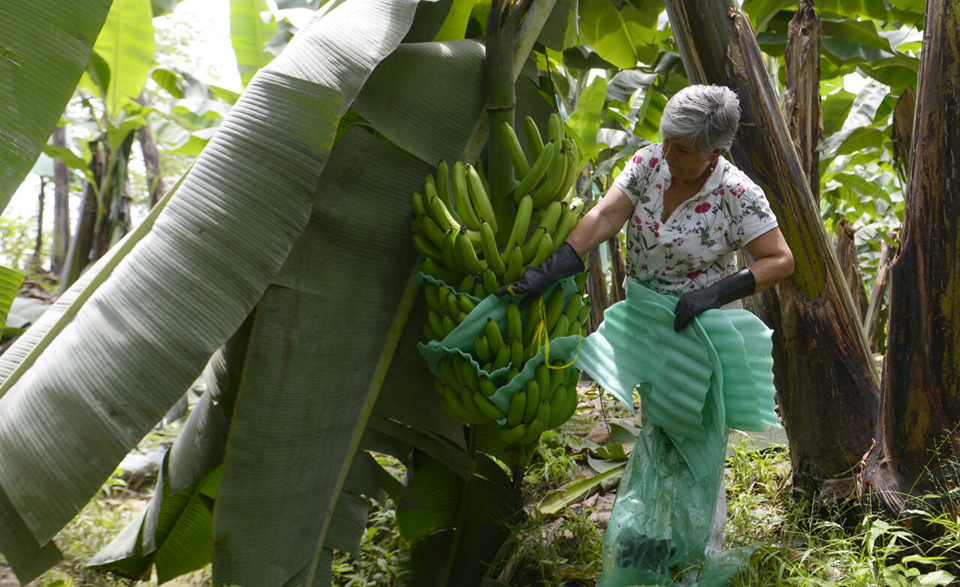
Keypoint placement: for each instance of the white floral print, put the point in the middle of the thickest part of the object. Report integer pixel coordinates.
(697, 244)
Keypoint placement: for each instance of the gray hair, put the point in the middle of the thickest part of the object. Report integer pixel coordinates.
(707, 116)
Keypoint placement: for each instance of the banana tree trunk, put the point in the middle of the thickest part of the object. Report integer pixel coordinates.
(618, 270)
(828, 392)
(78, 255)
(802, 98)
(916, 445)
(61, 214)
(151, 160)
(847, 257)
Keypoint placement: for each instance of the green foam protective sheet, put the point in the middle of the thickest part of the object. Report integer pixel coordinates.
(461, 340)
(726, 352)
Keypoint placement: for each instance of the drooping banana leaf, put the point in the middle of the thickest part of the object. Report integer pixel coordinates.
(38, 78)
(625, 36)
(28, 556)
(311, 373)
(249, 34)
(220, 241)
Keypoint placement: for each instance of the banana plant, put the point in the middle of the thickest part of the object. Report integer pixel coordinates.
(281, 180)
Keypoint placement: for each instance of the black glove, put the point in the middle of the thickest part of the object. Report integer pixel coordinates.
(564, 262)
(739, 285)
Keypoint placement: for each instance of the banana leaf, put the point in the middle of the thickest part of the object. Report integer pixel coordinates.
(220, 241)
(10, 281)
(38, 78)
(125, 48)
(460, 530)
(249, 35)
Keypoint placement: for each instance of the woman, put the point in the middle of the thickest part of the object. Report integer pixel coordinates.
(689, 211)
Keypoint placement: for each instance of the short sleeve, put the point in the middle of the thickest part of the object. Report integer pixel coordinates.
(636, 176)
(752, 214)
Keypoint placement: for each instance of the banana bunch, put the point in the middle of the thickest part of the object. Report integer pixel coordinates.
(462, 245)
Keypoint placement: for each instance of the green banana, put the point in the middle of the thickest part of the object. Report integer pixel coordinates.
(571, 405)
(539, 168)
(548, 188)
(487, 407)
(530, 248)
(534, 140)
(436, 323)
(482, 347)
(542, 376)
(494, 336)
(554, 307)
(465, 303)
(512, 371)
(431, 230)
(490, 283)
(555, 128)
(516, 352)
(572, 309)
(575, 328)
(533, 401)
(573, 168)
(468, 283)
(551, 216)
(447, 373)
(443, 186)
(557, 405)
(479, 291)
(419, 205)
(521, 223)
(503, 358)
(450, 305)
(477, 415)
(514, 266)
(440, 214)
(561, 328)
(543, 412)
(534, 430)
(577, 205)
(581, 280)
(488, 243)
(514, 321)
(448, 248)
(448, 324)
(515, 150)
(545, 248)
(469, 374)
(430, 294)
(487, 387)
(425, 247)
(583, 313)
(466, 254)
(515, 411)
(533, 320)
(480, 198)
(513, 435)
(430, 267)
(462, 198)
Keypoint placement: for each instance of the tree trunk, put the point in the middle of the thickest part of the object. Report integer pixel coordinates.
(35, 260)
(802, 97)
(151, 160)
(78, 254)
(901, 133)
(847, 257)
(618, 271)
(61, 206)
(827, 389)
(917, 444)
(872, 320)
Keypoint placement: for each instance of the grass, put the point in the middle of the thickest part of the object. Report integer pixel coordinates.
(797, 545)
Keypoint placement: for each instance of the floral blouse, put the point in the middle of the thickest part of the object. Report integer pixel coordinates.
(697, 244)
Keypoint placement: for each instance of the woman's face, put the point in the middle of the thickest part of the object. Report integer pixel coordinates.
(685, 160)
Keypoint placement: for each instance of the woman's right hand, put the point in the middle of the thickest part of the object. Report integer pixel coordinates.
(564, 262)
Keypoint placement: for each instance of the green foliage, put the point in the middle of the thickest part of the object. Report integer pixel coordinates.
(379, 560)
